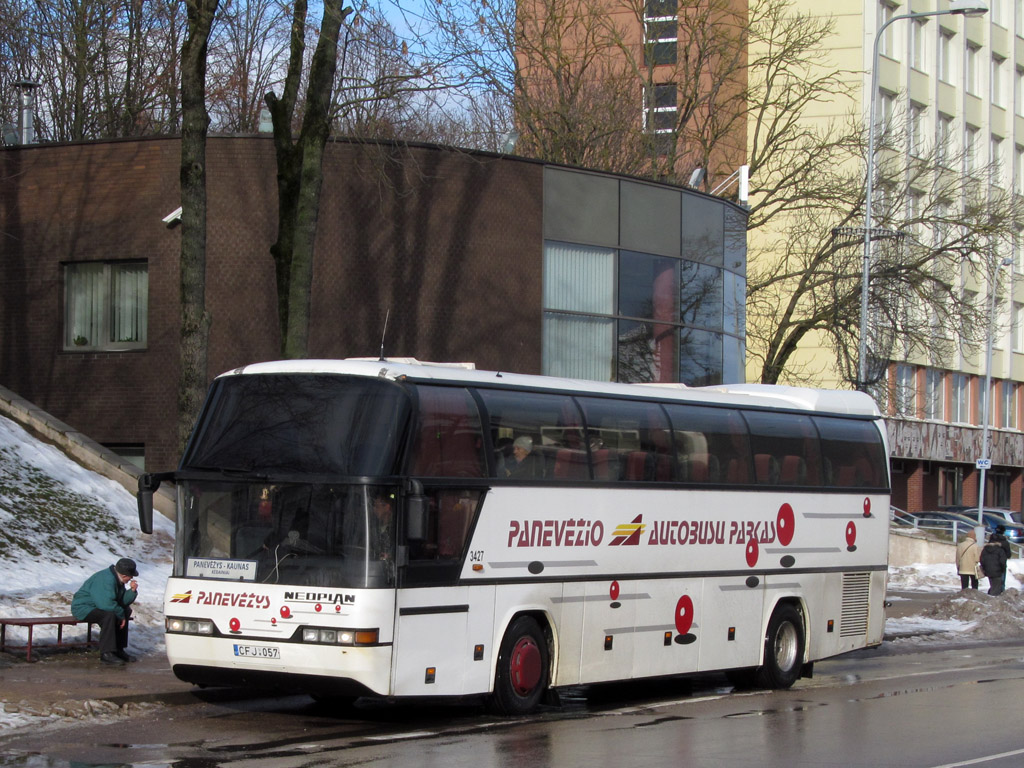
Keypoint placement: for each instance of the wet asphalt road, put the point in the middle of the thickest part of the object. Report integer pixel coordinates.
(906, 704)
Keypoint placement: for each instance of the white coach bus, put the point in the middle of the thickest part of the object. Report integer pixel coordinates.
(378, 528)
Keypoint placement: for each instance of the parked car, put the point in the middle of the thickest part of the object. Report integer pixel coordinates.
(992, 518)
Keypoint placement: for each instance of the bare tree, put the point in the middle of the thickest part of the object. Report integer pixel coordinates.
(937, 227)
(195, 321)
(248, 54)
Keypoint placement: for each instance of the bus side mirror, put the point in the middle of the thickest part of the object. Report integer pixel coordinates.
(147, 486)
(416, 506)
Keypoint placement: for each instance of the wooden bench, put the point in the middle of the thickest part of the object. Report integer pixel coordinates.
(35, 621)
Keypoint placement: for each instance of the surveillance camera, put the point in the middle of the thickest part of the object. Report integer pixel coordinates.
(173, 216)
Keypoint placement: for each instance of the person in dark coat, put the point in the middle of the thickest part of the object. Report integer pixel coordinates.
(104, 599)
(993, 563)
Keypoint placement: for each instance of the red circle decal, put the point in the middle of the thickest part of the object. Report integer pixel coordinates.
(235, 625)
(684, 614)
(613, 591)
(752, 552)
(286, 612)
(851, 534)
(318, 608)
(867, 507)
(785, 525)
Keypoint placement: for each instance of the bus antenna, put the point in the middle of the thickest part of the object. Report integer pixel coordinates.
(384, 334)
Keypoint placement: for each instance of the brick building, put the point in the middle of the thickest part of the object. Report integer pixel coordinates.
(471, 256)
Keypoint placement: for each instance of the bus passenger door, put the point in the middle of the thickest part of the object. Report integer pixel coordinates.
(436, 637)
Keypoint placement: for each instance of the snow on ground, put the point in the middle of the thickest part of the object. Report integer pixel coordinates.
(45, 501)
(48, 502)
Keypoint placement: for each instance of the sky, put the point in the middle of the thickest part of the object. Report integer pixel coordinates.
(40, 579)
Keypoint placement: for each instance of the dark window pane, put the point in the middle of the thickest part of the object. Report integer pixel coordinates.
(854, 456)
(449, 442)
(646, 351)
(647, 286)
(786, 448)
(654, 9)
(700, 357)
(711, 444)
(660, 53)
(628, 440)
(662, 30)
(548, 429)
(303, 424)
(700, 295)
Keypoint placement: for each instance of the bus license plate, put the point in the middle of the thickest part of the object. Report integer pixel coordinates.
(257, 651)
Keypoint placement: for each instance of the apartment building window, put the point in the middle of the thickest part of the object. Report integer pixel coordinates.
(996, 83)
(661, 32)
(1008, 411)
(1018, 250)
(885, 46)
(960, 403)
(995, 153)
(1018, 90)
(106, 305)
(998, 12)
(919, 44)
(904, 392)
(979, 406)
(916, 130)
(660, 108)
(972, 149)
(971, 83)
(951, 486)
(945, 58)
(944, 139)
(1017, 327)
(1018, 169)
(887, 106)
(934, 396)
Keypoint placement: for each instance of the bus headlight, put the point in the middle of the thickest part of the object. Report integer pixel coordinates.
(188, 626)
(325, 636)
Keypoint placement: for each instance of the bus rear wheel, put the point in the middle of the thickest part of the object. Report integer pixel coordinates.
(521, 679)
(783, 649)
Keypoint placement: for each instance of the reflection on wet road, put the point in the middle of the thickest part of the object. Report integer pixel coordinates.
(919, 708)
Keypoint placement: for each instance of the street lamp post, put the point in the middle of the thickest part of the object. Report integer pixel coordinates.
(986, 409)
(956, 7)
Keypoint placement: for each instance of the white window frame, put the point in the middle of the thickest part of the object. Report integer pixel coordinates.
(935, 395)
(996, 83)
(1017, 327)
(971, 74)
(947, 74)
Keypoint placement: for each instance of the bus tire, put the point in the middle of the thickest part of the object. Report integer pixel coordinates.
(521, 678)
(783, 649)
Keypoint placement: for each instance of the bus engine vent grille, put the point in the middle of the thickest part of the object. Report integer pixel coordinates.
(854, 618)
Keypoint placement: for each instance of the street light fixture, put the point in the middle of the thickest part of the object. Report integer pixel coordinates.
(956, 8)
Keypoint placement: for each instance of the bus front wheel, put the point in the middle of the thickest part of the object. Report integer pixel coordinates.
(521, 678)
(783, 649)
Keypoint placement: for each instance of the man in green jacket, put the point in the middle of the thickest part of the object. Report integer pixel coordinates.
(104, 599)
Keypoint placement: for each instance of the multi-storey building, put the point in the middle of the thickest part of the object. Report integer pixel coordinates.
(959, 82)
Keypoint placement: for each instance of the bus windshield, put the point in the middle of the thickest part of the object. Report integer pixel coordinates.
(287, 533)
(306, 424)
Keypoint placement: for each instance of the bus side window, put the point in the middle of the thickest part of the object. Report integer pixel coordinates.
(855, 452)
(449, 442)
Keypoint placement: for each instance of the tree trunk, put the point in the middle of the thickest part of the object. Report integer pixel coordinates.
(195, 322)
(300, 174)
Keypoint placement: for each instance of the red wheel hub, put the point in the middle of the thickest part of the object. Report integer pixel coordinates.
(524, 666)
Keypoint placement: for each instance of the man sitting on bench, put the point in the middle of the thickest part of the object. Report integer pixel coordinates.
(103, 599)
